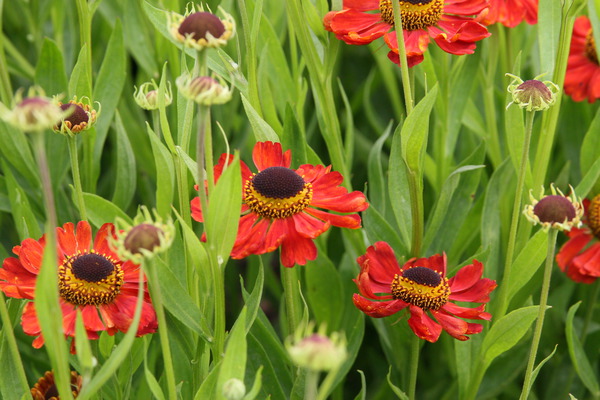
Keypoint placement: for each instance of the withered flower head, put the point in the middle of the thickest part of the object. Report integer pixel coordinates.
(82, 116)
(317, 351)
(33, 113)
(203, 90)
(147, 95)
(532, 95)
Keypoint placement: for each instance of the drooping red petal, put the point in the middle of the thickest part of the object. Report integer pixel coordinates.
(296, 249)
(382, 266)
(309, 227)
(30, 254)
(589, 261)
(466, 312)
(355, 27)
(275, 234)
(423, 326)
(456, 327)
(378, 309)
(478, 293)
(351, 221)
(579, 239)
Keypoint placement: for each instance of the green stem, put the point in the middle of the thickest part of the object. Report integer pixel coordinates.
(291, 290)
(416, 210)
(475, 381)
(200, 144)
(503, 290)
(156, 122)
(54, 340)
(8, 337)
(218, 276)
(311, 384)
(541, 313)
(76, 176)
(589, 313)
(5, 85)
(163, 331)
(85, 36)
(414, 366)
(408, 99)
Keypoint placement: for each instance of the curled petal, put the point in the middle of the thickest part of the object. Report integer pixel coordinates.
(423, 326)
(378, 309)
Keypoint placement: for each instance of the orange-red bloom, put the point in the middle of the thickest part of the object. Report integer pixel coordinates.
(511, 13)
(582, 79)
(422, 286)
(284, 206)
(579, 257)
(452, 24)
(91, 279)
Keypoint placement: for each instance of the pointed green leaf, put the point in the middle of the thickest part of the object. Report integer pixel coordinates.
(582, 365)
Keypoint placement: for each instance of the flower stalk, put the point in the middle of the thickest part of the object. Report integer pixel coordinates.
(72, 140)
(541, 313)
(408, 100)
(415, 346)
(512, 236)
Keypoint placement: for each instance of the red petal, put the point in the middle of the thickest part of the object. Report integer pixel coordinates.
(478, 293)
(378, 309)
(101, 243)
(91, 320)
(65, 238)
(276, 233)
(296, 249)
(466, 277)
(30, 254)
(466, 312)
(436, 262)
(572, 247)
(308, 226)
(269, 154)
(423, 326)
(29, 321)
(457, 328)
(16, 281)
(342, 221)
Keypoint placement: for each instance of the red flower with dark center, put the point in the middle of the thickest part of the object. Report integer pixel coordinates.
(511, 13)
(579, 257)
(452, 24)
(422, 286)
(582, 79)
(284, 207)
(91, 279)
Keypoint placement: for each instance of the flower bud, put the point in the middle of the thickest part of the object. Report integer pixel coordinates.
(532, 95)
(33, 113)
(317, 351)
(234, 389)
(147, 95)
(203, 89)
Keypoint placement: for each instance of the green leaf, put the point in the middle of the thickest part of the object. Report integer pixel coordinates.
(222, 218)
(527, 262)
(397, 391)
(25, 222)
(549, 21)
(125, 180)
(208, 389)
(253, 300)
(362, 395)
(50, 72)
(82, 343)
(179, 303)
(398, 188)
(537, 369)
(589, 180)
(138, 38)
(262, 131)
(415, 131)
(326, 301)
(233, 365)
(378, 228)
(15, 149)
(80, 83)
(376, 182)
(506, 332)
(165, 172)
(151, 380)
(101, 211)
(591, 142)
(578, 355)
(294, 137)
(256, 386)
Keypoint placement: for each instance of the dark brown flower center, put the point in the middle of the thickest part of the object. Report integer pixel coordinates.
(277, 192)
(89, 279)
(422, 287)
(143, 236)
(199, 24)
(278, 182)
(78, 116)
(416, 14)
(590, 48)
(555, 209)
(593, 216)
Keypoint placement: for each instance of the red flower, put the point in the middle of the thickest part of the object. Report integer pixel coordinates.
(421, 285)
(93, 280)
(582, 79)
(579, 257)
(450, 23)
(282, 206)
(511, 13)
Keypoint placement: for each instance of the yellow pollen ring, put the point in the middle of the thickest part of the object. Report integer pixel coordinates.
(269, 207)
(590, 48)
(423, 296)
(414, 16)
(81, 292)
(593, 217)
